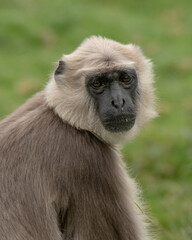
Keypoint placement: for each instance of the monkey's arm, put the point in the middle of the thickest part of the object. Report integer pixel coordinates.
(102, 204)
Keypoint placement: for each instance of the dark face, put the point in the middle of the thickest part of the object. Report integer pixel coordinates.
(115, 95)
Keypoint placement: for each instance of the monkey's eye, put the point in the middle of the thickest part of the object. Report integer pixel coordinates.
(126, 79)
(97, 83)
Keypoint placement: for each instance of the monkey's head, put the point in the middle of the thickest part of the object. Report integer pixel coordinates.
(104, 87)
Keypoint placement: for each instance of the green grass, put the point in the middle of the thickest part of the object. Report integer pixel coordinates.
(34, 34)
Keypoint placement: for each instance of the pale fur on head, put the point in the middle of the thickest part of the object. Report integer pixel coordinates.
(68, 95)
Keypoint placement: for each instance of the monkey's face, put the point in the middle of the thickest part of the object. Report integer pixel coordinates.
(115, 97)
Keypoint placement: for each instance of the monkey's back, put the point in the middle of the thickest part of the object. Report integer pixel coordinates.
(44, 164)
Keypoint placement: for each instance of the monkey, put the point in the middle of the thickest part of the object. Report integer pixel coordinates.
(62, 174)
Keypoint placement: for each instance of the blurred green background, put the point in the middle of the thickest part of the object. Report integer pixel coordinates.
(34, 35)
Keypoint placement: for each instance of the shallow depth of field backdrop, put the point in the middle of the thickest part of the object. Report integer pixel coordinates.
(34, 35)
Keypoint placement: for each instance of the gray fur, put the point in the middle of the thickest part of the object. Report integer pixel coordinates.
(60, 181)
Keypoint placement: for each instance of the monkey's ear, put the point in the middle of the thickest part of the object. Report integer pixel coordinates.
(59, 71)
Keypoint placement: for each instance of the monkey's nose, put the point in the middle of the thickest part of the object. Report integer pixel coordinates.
(118, 103)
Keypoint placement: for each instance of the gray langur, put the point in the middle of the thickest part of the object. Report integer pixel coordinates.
(61, 175)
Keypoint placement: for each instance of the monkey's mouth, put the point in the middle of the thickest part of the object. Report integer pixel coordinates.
(119, 123)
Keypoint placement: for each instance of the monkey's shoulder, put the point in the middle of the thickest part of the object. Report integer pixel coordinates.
(36, 130)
